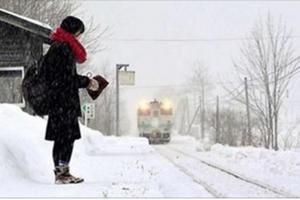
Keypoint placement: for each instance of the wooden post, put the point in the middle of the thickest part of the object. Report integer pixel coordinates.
(200, 118)
(202, 112)
(118, 67)
(249, 134)
(217, 122)
(187, 111)
(182, 127)
(193, 119)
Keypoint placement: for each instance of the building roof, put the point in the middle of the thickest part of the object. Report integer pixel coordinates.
(26, 23)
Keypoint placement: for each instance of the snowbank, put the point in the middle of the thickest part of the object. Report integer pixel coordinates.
(24, 149)
(111, 166)
(191, 143)
(275, 163)
(277, 168)
(25, 155)
(280, 169)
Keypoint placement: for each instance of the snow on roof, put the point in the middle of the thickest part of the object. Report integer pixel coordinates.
(26, 19)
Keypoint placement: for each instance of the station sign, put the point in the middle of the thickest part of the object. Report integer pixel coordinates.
(127, 77)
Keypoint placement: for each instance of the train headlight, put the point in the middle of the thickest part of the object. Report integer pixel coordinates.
(166, 105)
(144, 106)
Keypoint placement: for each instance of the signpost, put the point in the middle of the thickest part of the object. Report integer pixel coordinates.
(122, 78)
(89, 112)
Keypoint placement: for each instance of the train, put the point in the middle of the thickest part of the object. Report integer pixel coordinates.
(155, 121)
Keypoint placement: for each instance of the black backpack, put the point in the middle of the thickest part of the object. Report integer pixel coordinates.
(34, 88)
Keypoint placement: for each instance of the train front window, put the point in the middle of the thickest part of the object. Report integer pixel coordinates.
(144, 112)
(155, 113)
(166, 111)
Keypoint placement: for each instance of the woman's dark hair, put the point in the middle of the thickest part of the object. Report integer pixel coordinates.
(72, 25)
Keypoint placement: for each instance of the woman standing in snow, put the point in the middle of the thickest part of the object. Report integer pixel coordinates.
(64, 83)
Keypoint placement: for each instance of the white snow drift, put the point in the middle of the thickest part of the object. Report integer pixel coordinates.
(111, 166)
(279, 169)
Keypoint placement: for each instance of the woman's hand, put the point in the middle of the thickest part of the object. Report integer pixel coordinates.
(94, 85)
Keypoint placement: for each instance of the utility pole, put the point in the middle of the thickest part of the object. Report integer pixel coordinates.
(249, 134)
(187, 121)
(118, 67)
(202, 111)
(217, 121)
(200, 118)
(182, 127)
(194, 117)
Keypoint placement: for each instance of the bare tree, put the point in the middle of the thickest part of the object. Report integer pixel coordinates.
(288, 139)
(268, 60)
(46, 11)
(52, 12)
(200, 85)
(232, 125)
(181, 115)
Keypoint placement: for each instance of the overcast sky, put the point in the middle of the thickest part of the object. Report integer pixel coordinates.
(170, 62)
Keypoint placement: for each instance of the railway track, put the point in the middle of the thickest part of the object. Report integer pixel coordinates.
(219, 177)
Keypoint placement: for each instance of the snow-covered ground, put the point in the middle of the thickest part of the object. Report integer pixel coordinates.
(130, 167)
(111, 167)
(279, 170)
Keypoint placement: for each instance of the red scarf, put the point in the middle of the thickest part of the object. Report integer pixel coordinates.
(60, 35)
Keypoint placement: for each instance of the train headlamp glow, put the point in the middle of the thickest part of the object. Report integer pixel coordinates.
(166, 105)
(144, 106)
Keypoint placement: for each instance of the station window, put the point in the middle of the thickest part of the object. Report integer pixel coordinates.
(10, 85)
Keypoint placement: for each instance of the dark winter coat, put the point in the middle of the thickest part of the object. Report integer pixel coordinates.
(63, 96)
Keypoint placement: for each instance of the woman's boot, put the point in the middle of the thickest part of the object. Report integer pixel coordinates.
(63, 176)
(74, 179)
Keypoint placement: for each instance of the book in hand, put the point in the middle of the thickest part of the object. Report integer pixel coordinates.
(102, 84)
